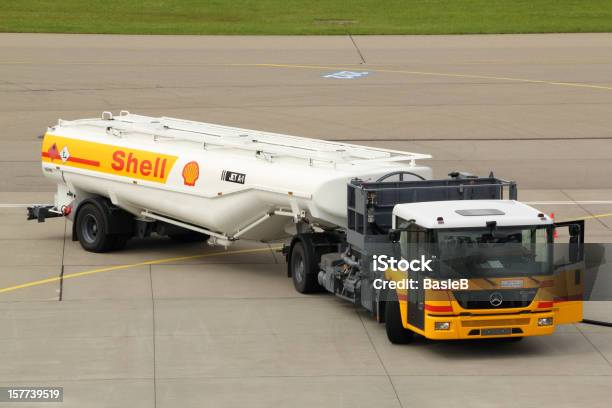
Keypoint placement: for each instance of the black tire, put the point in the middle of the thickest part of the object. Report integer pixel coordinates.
(303, 272)
(91, 229)
(396, 333)
(189, 236)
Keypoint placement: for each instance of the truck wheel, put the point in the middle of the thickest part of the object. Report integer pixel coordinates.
(396, 333)
(91, 229)
(303, 273)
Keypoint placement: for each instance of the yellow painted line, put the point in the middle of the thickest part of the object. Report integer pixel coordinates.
(591, 217)
(343, 67)
(128, 266)
(77, 63)
(176, 259)
(440, 74)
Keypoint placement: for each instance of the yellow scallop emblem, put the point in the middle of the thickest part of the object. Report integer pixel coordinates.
(191, 173)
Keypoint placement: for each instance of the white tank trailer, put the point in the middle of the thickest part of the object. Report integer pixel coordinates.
(225, 182)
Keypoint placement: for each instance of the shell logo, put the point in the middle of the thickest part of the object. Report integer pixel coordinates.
(191, 173)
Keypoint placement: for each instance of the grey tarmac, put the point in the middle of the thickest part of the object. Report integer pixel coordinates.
(229, 330)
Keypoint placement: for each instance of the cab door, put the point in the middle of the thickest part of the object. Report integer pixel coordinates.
(568, 264)
(418, 243)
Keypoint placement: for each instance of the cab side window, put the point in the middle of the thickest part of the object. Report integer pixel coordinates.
(413, 241)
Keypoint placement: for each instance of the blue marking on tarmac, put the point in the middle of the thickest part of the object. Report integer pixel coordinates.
(346, 75)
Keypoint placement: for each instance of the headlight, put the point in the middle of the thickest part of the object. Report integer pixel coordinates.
(545, 321)
(442, 325)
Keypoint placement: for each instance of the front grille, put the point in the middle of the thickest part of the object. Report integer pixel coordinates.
(478, 332)
(495, 322)
(495, 299)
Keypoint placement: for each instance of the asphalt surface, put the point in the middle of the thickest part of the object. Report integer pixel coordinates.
(227, 330)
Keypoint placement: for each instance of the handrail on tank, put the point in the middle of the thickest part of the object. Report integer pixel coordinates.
(218, 136)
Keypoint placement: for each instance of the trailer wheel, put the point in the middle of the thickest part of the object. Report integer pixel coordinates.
(91, 229)
(396, 333)
(303, 273)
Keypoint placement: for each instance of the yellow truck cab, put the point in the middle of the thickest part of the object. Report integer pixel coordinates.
(454, 258)
(496, 271)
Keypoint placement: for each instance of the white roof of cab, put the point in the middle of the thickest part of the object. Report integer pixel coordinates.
(425, 214)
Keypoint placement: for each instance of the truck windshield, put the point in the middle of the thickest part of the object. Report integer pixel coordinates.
(485, 252)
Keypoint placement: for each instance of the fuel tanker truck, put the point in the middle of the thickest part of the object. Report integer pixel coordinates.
(452, 258)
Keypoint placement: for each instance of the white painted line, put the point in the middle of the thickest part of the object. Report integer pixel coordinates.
(595, 202)
(19, 205)
(569, 202)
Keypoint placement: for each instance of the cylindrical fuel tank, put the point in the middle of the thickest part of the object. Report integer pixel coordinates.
(216, 177)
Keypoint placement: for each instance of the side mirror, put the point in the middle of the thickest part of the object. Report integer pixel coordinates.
(574, 248)
(394, 235)
(574, 230)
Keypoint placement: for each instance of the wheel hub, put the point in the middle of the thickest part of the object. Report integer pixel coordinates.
(298, 270)
(90, 228)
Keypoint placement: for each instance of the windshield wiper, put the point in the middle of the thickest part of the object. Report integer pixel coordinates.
(534, 279)
(492, 283)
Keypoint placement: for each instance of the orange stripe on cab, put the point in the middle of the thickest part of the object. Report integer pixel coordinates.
(435, 308)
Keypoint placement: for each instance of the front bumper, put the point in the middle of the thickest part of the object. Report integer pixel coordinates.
(488, 326)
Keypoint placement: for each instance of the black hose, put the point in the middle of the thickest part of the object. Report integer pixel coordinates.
(596, 322)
